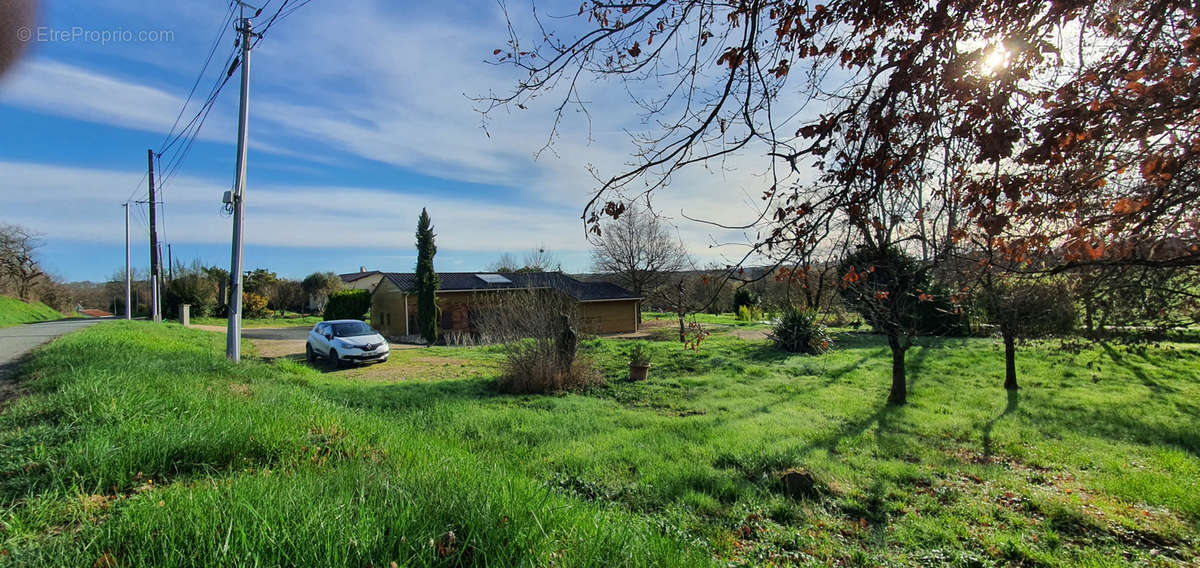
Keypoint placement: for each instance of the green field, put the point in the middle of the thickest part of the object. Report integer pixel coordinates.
(141, 445)
(16, 312)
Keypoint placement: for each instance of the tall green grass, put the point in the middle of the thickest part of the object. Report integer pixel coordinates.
(17, 312)
(141, 444)
(1095, 462)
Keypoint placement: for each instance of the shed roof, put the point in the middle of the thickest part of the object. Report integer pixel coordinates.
(472, 281)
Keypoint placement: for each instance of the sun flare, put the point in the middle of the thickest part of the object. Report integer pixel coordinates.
(994, 60)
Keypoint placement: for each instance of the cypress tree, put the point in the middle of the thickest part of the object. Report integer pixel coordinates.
(428, 312)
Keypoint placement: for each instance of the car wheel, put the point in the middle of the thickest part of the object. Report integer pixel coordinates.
(308, 353)
(334, 361)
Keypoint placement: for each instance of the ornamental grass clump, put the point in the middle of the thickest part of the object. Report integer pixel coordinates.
(798, 331)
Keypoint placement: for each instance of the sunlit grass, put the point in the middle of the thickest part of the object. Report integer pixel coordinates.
(17, 312)
(1093, 462)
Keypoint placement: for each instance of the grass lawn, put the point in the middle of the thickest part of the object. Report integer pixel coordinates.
(16, 312)
(288, 320)
(141, 443)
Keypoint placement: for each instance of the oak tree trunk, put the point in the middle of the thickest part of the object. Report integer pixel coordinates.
(899, 394)
(1010, 361)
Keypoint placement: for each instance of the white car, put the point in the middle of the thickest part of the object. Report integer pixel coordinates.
(346, 341)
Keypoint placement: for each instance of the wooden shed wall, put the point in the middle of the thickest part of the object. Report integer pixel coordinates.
(387, 309)
(613, 316)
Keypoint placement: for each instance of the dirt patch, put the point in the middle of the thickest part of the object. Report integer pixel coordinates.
(750, 334)
(240, 389)
(646, 329)
(423, 368)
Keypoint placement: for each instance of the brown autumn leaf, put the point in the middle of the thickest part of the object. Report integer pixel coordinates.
(106, 560)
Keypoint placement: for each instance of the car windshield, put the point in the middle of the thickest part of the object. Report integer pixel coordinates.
(351, 329)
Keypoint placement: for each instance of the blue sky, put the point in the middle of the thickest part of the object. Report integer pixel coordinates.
(359, 117)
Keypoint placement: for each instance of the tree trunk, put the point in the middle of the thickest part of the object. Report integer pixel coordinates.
(682, 331)
(1010, 361)
(899, 394)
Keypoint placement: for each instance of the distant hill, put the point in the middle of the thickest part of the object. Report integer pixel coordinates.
(16, 312)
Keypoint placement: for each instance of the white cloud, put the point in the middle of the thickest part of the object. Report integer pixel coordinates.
(86, 208)
(385, 82)
(74, 92)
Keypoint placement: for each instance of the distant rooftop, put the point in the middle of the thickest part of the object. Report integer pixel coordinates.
(352, 276)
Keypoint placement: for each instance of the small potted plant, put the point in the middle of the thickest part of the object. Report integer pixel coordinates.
(639, 362)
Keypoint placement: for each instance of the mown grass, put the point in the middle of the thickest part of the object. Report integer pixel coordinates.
(17, 312)
(141, 445)
(290, 320)
(1095, 462)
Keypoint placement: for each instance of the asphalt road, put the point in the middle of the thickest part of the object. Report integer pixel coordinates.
(16, 342)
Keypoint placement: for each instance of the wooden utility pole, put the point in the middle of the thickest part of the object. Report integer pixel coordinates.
(155, 292)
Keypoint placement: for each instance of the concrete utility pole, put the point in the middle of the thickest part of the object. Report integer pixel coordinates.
(128, 310)
(155, 292)
(233, 336)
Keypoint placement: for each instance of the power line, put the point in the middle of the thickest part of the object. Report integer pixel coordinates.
(279, 15)
(192, 130)
(204, 69)
(137, 187)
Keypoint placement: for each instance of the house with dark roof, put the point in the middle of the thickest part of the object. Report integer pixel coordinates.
(362, 280)
(601, 307)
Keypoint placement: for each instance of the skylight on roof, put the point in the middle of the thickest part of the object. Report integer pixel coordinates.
(493, 279)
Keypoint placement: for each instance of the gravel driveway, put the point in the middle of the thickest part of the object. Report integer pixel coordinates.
(276, 342)
(271, 342)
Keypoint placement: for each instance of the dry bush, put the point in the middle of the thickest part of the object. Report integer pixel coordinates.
(533, 366)
(537, 331)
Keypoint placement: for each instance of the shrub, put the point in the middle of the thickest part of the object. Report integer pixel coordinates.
(319, 285)
(348, 304)
(1032, 308)
(536, 332)
(190, 288)
(254, 305)
(797, 331)
(745, 297)
(749, 313)
(940, 316)
(891, 289)
(534, 366)
(638, 357)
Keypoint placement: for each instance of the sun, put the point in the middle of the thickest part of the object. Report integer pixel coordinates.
(994, 60)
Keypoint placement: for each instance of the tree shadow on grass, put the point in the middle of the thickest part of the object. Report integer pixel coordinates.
(1155, 386)
(882, 417)
(1014, 400)
(1117, 423)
